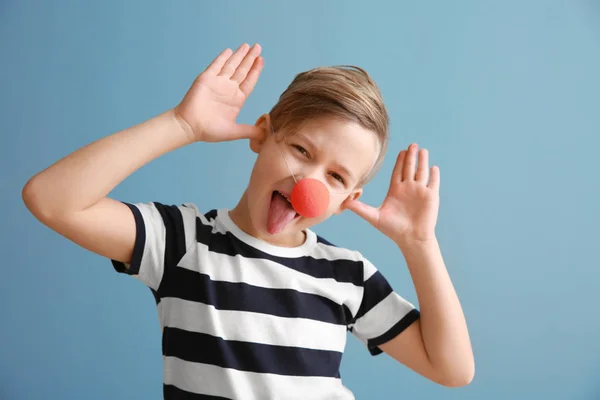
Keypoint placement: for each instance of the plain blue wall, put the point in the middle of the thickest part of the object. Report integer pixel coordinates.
(505, 96)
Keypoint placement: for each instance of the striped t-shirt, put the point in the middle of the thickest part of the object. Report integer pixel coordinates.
(245, 319)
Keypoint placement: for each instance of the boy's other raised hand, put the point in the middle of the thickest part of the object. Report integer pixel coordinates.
(210, 108)
(409, 212)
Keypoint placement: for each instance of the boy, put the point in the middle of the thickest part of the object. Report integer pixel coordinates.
(252, 303)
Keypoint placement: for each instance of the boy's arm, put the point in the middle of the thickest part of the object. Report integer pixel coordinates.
(437, 345)
(70, 196)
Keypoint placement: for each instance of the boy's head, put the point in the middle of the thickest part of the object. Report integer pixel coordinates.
(330, 124)
(345, 92)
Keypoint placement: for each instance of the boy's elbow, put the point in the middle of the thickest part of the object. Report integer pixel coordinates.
(28, 196)
(33, 200)
(456, 379)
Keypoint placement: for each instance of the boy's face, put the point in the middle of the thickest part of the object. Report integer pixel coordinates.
(337, 153)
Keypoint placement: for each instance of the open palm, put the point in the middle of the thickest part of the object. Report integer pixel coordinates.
(213, 102)
(410, 208)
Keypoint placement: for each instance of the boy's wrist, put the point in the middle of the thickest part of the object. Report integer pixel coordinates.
(186, 128)
(414, 244)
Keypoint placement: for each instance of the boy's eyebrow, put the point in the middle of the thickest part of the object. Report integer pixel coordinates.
(338, 165)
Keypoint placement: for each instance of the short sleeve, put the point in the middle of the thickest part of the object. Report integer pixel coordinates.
(383, 314)
(163, 235)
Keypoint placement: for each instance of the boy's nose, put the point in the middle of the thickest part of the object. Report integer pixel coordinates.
(312, 172)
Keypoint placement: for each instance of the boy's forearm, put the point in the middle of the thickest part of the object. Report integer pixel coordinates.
(87, 175)
(443, 324)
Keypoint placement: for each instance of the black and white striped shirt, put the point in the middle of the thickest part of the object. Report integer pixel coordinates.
(244, 319)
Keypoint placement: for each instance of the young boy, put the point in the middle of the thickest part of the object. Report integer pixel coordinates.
(252, 303)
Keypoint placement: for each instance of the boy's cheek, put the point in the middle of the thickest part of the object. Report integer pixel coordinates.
(337, 205)
(333, 209)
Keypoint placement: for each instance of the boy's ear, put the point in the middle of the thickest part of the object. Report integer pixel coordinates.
(264, 123)
(353, 196)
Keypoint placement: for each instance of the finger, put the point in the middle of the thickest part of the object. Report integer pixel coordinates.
(248, 84)
(408, 171)
(217, 64)
(397, 172)
(234, 61)
(242, 71)
(365, 211)
(422, 174)
(434, 179)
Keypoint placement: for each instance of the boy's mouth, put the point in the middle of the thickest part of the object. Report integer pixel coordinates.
(280, 213)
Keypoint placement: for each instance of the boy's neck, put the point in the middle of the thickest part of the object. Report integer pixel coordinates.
(241, 217)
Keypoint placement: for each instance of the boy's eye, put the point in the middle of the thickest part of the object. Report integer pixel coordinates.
(301, 150)
(338, 177)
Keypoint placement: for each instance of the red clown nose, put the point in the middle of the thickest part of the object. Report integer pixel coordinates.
(310, 198)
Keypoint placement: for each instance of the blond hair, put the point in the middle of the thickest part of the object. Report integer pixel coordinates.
(346, 92)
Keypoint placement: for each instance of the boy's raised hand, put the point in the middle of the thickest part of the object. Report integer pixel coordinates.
(213, 102)
(409, 211)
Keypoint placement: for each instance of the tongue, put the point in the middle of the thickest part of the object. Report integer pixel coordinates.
(280, 214)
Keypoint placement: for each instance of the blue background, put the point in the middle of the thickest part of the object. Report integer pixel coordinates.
(505, 95)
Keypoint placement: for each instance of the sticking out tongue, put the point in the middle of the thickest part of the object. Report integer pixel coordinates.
(280, 214)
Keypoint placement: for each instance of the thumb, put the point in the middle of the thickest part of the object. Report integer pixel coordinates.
(365, 211)
(244, 131)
